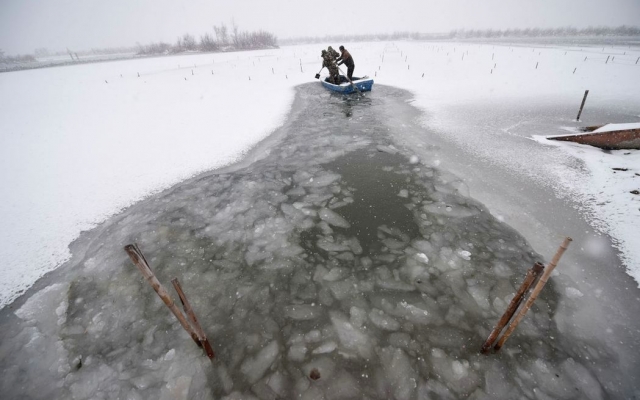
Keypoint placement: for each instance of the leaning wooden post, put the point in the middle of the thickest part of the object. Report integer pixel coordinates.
(530, 278)
(138, 259)
(584, 99)
(192, 317)
(534, 294)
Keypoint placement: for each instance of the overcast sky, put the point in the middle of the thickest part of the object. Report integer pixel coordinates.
(82, 24)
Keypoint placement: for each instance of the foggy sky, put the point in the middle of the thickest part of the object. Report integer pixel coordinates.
(84, 24)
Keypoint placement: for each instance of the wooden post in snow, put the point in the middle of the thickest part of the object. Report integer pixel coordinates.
(534, 294)
(530, 278)
(584, 99)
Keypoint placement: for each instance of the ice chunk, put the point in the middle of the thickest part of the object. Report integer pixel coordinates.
(383, 321)
(422, 246)
(460, 368)
(414, 159)
(465, 255)
(582, 379)
(328, 245)
(351, 338)
(343, 386)
(313, 336)
(413, 313)
(481, 295)
(354, 244)
(277, 382)
(394, 244)
(302, 312)
(399, 373)
(334, 274)
(573, 293)
(358, 316)
(254, 368)
(35, 308)
(321, 180)
(333, 218)
(297, 352)
(297, 191)
(501, 269)
(342, 289)
(170, 355)
(422, 257)
(450, 210)
(176, 389)
(404, 193)
(387, 149)
(395, 285)
(327, 347)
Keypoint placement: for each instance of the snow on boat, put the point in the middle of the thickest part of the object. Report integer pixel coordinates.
(364, 84)
(610, 136)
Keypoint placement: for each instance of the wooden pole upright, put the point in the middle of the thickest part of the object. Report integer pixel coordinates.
(584, 99)
(192, 317)
(534, 294)
(143, 266)
(532, 274)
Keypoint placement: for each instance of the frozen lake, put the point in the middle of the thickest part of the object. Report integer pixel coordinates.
(335, 245)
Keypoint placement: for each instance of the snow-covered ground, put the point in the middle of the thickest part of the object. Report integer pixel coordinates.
(80, 143)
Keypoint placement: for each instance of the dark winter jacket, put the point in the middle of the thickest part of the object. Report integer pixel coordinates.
(345, 59)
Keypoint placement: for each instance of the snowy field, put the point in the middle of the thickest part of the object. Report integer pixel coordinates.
(80, 143)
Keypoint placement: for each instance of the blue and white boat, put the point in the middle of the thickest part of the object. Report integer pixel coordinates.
(364, 84)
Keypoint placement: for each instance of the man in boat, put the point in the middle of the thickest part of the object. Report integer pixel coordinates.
(333, 53)
(346, 59)
(329, 62)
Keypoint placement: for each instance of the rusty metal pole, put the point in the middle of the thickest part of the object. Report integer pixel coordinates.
(584, 99)
(529, 280)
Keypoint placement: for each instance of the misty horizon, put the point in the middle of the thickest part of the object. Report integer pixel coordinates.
(28, 25)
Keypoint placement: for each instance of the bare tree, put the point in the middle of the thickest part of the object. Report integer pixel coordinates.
(208, 43)
(222, 35)
(234, 34)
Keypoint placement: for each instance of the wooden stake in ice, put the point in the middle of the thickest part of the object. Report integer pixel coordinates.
(534, 294)
(138, 259)
(530, 278)
(584, 99)
(194, 320)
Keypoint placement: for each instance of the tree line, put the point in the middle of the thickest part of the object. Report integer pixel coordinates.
(17, 59)
(623, 30)
(222, 39)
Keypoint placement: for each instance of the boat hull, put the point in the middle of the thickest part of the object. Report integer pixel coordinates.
(363, 84)
(608, 140)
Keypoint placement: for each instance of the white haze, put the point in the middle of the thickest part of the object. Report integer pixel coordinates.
(81, 25)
